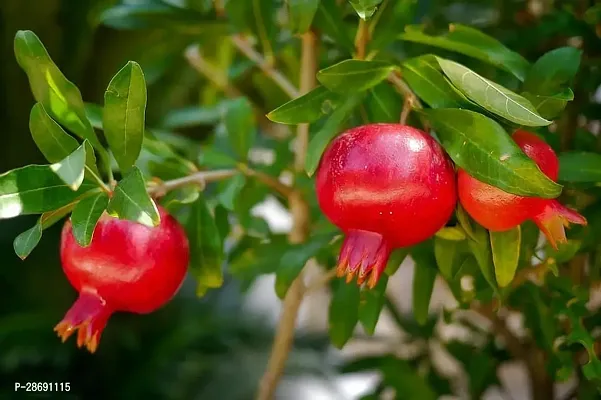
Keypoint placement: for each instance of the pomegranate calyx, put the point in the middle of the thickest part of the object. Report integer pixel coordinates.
(553, 220)
(363, 254)
(88, 316)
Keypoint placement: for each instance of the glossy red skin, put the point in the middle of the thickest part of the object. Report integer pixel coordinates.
(386, 186)
(498, 210)
(127, 267)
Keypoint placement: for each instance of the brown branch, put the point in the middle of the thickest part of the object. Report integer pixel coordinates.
(198, 178)
(361, 39)
(284, 336)
(276, 76)
(266, 179)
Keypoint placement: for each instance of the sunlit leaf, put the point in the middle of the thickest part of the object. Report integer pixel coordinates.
(505, 248)
(71, 168)
(131, 201)
(351, 76)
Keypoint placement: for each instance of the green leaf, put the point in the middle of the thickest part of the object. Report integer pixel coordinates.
(365, 8)
(424, 77)
(473, 43)
(240, 126)
(124, 114)
(301, 13)
(343, 312)
(553, 71)
(580, 167)
(481, 146)
(60, 97)
(454, 233)
(71, 169)
(449, 255)
(34, 189)
(130, 200)
(424, 276)
(505, 248)
(85, 216)
(230, 193)
(371, 303)
(329, 20)
(550, 106)
(320, 141)
(480, 247)
(191, 116)
(307, 108)
(27, 241)
(395, 260)
(389, 21)
(177, 198)
(257, 16)
(383, 104)
(351, 76)
(206, 248)
(294, 259)
(491, 96)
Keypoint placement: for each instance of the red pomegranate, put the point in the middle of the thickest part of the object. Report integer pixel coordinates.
(127, 267)
(386, 186)
(497, 210)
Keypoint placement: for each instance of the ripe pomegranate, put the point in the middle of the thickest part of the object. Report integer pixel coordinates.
(386, 186)
(497, 210)
(127, 267)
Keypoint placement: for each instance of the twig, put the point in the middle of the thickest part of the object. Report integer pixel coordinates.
(199, 178)
(411, 100)
(266, 179)
(407, 107)
(361, 39)
(284, 336)
(276, 76)
(219, 79)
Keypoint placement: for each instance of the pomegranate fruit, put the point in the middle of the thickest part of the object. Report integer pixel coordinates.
(497, 210)
(385, 186)
(127, 267)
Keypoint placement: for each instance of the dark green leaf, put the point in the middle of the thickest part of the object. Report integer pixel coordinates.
(405, 380)
(206, 248)
(85, 216)
(580, 167)
(383, 104)
(240, 126)
(424, 276)
(301, 13)
(60, 97)
(550, 106)
(257, 16)
(212, 158)
(34, 189)
(294, 259)
(473, 43)
(343, 313)
(307, 108)
(491, 96)
(231, 191)
(192, 116)
(329, 19)
(481, 146)
(130, 200)
(553, 71)
(505, 248)
(71, 169)
(390, 20)
(395, 260)
(464, 221)
(480, 247)
(371, 303)
(153, 15)
(124, 114)
(365, 8)
(351, 76)
(424, 77)
(27, 241)
(320, 141)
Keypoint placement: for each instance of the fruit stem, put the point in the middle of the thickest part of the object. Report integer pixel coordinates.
(361, 39)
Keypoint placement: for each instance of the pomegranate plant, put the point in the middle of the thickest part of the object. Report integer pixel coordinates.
(441, 155)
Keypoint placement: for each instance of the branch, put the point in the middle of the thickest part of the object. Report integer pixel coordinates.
(203, 67)
(199, 178)
(276, 76)
(266, 179)
(361, 39)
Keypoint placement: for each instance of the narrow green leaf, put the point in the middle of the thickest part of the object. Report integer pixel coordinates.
(343, 312)
(154, 15)
(550, 106)
(60, 97)
(365, 8)
(449, 255)
(124, 114)
(34, 189)
(177, 198)
(491, 96)
(424, 77)
(27, 241)
(329, 19)
(301, 13)
(371, 303)
(424, 276)
(54, 143)
(85, 216)
(481, 146)
(191, 116)
(464, 221)
(307, 108)
(580, 167)
(71, 169)
(351, 76)
(455, 233)
(206, 248)
(473, 43)
(383, 104)
(130, 200)
(480, 247)
(231, 191)
(396, 259)
(320, 141)
(505, 248)
(294, 259)
(390, 20)
(553, 71)
(240, 126)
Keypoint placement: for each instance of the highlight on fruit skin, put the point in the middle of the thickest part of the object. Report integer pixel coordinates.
(385, 186)
(127, 267)
(497, 210)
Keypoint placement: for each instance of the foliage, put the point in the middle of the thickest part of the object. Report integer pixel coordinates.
(471, 86)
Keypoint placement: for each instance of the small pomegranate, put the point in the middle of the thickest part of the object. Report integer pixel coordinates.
(497, 210)
(127, 267)
(386, 186)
